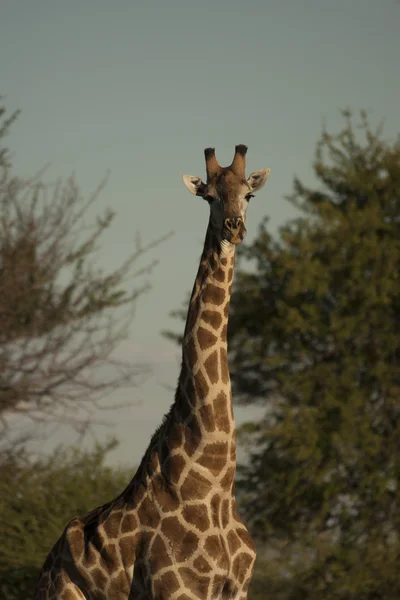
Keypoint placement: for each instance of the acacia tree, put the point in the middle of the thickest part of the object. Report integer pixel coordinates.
(315, 338)
(62, 317)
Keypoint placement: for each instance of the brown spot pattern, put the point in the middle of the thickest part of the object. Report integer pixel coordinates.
(129, 523)
(159, 557)
(233, 542)
(195, 486)
(145, 539)
(220, 588)
(215, 549)
(90, 557)
(224, 365)
(213, 261)
(228, 479)
(196, 515)
(214, 457)
(211, 317)
(215, 505)
(202, 565)
(118, 586)
(211, 366)
(207, 417)
(221, 413)
(190, 543)
(247, 583)
(233, 446)
(193, 437)
(165, 499)
(246, 538)
(189, 388)
(127, 547)
(148, 514)
(109, 554)
(219, 275)
(213, 295)
(173, 530)
(168, 584)
(190, 353)
(112, 524)
(201, 385)
(174, 467)
(225, 513)
(205, 338)
(240, 565)
(185, 411)
(182, 542)
(75, 541)
(224, 333)
(175, 436)
(191, 580)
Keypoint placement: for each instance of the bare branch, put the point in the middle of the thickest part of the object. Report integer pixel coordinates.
(62, 317)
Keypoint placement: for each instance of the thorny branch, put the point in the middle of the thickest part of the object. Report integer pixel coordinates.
(61, 317)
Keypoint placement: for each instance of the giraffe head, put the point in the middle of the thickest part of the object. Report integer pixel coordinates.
(228, 193)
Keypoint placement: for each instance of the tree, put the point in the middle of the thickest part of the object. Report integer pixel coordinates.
(38, 499)
(62, 317)
(5, 123)
(314, 338)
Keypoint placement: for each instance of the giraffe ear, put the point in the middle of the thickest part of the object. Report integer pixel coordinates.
(194, 185)
(257, 179)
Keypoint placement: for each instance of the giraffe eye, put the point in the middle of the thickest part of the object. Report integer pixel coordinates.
(248, 196)
(209, 198)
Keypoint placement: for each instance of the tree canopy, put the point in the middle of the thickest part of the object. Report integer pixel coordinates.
(315, 339)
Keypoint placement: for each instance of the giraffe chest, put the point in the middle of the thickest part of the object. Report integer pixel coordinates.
(202, 547)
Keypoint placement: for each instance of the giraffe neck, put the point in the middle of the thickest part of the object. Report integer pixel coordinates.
(204, 383)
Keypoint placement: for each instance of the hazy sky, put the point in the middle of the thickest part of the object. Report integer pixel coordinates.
(141, 88)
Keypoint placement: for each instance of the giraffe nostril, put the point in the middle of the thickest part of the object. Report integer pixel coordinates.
(233, 223)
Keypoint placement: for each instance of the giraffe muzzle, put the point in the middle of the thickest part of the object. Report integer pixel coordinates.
(234, 230)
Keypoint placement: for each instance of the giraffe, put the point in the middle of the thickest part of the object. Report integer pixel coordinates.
(174, 533)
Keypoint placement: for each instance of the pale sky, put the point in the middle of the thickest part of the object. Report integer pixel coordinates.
(141, 88)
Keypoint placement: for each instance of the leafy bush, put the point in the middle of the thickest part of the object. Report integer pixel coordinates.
(38, 499)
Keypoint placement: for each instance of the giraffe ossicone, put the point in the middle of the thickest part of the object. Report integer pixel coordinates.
(174, 533)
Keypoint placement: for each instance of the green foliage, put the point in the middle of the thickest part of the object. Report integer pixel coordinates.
(356, 573)
(315, 338)
(38, 499)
